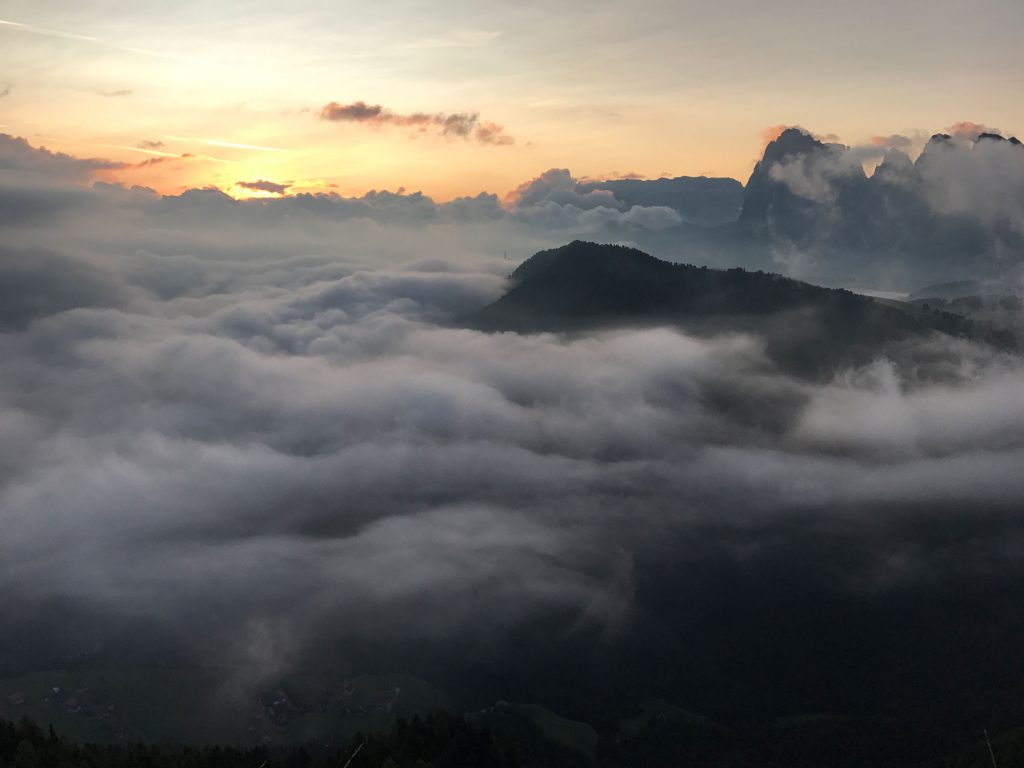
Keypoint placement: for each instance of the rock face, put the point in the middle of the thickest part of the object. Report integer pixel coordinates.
(955, 212)
(767, 202)
(808, 329)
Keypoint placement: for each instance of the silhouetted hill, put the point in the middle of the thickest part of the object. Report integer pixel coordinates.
(808, 329)
(509, 736)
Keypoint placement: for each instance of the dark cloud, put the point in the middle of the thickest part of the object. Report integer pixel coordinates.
(38, 283)
(150, 144)
(151, 161)
(492, 133)
(18, 158)
(464, 125)
(358, 111)
(262, 185)
(5, 92)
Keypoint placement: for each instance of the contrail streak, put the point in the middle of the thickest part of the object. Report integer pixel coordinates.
(47, 32)
(228, 144)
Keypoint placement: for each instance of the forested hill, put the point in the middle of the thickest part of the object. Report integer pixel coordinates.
(441, 740)
(808, 329)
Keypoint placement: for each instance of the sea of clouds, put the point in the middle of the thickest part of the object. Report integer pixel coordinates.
(248, 427)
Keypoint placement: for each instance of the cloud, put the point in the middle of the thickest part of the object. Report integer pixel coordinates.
(558, 185)
(20, 160)
(265, 418)
(165, 157)
(358, 111)
(893, 141)
(818, 176)
(492, 133)
(150, 144)
(5, 92)
(967, 131)
(772, 132)
(554, 200)
(120, 92)
(617, 176)
(37, 283)
(151, 161)
(261, 185)
(984, 182)
(464, 125)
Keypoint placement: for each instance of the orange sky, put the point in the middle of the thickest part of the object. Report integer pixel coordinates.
(199, 93)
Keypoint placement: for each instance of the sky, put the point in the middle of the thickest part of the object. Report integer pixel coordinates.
(456, 97)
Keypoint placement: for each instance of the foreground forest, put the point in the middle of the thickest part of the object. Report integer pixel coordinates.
(443, 740)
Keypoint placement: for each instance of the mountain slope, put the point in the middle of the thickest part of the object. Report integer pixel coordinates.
(808, 329)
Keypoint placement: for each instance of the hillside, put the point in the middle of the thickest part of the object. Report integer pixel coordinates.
(808, 329)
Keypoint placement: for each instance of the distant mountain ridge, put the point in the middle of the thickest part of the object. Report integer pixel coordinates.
(702, 200)
(953, 213)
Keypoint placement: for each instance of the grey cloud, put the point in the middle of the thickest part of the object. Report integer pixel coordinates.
(464, 125)
(20, 160)
(37, 283)
(985, 182)
(554, 200)
(815, 176)
(262, 185)
(357, 111)
(558, 185)
(492, 133)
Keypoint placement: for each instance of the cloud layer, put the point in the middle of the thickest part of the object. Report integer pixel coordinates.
(265, 417)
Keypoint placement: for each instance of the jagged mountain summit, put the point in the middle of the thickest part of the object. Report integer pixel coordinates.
(956, 212)
(808, 329)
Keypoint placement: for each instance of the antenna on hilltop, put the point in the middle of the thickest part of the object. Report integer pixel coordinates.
(990, 752)
(358, 749)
